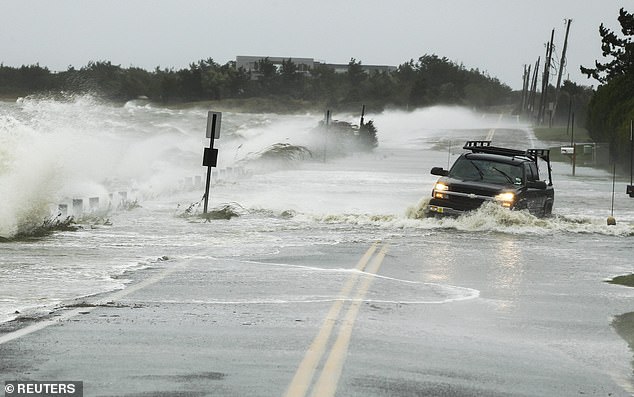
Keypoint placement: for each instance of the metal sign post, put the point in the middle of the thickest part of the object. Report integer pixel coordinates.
(210, 155)
(630, 188)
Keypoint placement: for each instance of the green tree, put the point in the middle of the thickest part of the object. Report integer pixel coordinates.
(138, 82)
(266, 74)
(609, 115)
(168, 83)
(380, 87)
(574, 98)
(428, 81)
(356, 77)
(325, 85)
(213, 80)
(238, 80)
(34, 77)
(100, 77)
(367, 136)
(404, 79)
(290, 79)
(612, 105)
(190, 82)
(620, 49)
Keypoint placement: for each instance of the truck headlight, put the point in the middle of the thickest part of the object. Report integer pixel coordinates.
(439, 188)
(506, 198)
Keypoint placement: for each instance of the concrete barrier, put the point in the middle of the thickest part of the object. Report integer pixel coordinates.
(78, 207)
(93, 204)
(121, 199)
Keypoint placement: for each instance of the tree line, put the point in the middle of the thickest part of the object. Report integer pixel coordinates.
(611, 109)
(429, 80)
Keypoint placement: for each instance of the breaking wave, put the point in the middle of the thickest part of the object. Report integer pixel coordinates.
(55, 149)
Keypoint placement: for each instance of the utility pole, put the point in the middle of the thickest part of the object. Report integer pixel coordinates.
(630, 188)
(525, 80)
(326, 131)
(533, 94)
(561, 69)
(545, 78)
(572, 143)
(569, 114)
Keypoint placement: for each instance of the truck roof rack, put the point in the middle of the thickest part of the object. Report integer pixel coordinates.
(485, 147)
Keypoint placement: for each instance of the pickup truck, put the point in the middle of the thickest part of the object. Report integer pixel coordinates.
(486, 173)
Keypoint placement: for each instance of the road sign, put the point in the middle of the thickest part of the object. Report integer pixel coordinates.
(210, 157)
(213, 124)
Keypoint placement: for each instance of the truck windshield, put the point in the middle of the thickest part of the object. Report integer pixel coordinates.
(486, 171)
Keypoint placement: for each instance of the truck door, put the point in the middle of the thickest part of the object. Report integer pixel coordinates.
(535, 198)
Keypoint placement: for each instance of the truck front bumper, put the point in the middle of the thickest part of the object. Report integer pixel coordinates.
(434, 210)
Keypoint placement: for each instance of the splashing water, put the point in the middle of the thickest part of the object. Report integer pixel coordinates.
(55, 150)
(52, 149)
(491, 217)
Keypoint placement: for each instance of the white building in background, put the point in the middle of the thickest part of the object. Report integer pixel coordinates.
(304, 65)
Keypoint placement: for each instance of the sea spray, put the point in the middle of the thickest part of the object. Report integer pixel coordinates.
(434, 125)
(28, 178)
(54, 150)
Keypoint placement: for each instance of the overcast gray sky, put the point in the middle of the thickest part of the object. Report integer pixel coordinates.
(495, 36)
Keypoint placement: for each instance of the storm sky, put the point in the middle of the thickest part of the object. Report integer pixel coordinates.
(495, 36)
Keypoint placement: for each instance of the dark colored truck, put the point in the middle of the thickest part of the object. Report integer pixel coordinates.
(487, 173)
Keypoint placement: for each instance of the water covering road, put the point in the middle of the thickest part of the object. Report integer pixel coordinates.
(493, 303)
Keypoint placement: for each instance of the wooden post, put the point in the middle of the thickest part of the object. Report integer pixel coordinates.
(525, 79)
(546, 78)
(533, 94)
(572, 143)
(327, 127)
(569, 114)
(630, 188)
(561, 69)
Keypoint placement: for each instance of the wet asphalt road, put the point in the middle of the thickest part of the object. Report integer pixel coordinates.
(401, 317)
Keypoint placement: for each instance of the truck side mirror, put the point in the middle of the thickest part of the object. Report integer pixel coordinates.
(439, 171)
(541, 185)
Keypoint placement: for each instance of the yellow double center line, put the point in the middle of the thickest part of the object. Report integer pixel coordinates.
(326, 385)
(492, 130)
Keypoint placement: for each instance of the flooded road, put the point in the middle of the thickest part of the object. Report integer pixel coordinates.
(495, 303)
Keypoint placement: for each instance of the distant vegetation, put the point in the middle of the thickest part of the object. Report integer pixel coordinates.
(430, 80)
(611, 109)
